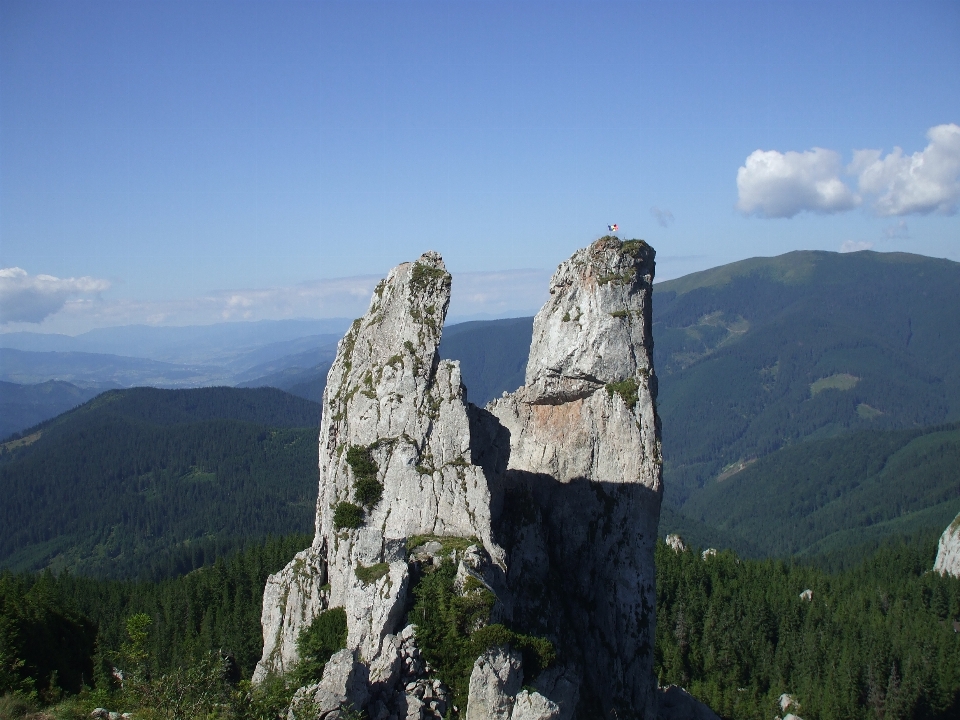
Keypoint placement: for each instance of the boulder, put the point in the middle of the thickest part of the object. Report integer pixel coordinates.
(948, 551)
(676, 543)
(534, 706)
(494, 684)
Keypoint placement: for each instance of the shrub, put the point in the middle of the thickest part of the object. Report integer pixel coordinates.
(317, 642)
(347, 516)
(367, 490)
(448, 635)
(627, 389)
(361, 462)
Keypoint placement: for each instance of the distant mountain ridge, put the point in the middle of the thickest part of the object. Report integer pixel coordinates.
(22, 406)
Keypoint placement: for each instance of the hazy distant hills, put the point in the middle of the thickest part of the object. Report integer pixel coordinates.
(284, 354)
(218, 344)
(22, 406)
(145, 478)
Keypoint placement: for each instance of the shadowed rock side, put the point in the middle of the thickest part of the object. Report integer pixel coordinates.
(948, 551)
(583, 483)
(560, 482)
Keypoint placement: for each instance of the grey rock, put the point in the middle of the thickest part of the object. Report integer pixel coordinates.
(565, 473)
(385, 669)
(494, 683)
(534, 706)
(677, 704)
(344, 683)
(807, 595)
(708, 553)
(584, 476)
(948, 551)
(561, 684)
(676, 543)
(432, 548)
(388, 391)
(786, 702)
(291, 599)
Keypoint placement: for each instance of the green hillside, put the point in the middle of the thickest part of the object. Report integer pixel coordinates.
(824, 495)
(769, 352)
(150, 482)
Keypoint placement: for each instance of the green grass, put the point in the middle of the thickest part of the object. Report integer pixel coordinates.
(840, 381)
(372, 573)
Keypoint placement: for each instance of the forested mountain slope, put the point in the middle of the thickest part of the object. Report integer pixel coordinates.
(823, 495)
(155, 481)
(771, 351)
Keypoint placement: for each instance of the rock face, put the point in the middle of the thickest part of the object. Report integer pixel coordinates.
(559, 482)
(584, 477)
(948, 552)
(391, 398)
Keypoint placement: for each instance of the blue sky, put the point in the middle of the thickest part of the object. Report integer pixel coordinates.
(172, 162)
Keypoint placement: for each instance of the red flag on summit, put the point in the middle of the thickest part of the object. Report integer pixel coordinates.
(613, 228)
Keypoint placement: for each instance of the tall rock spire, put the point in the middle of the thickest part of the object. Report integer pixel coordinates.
(395, 461)
(584, 477)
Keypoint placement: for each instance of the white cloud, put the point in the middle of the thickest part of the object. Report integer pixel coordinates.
(925, 182)
(505, 293)
(31, 298)
(663, 217)
(850, 246)
(478, 294)
(779, 185)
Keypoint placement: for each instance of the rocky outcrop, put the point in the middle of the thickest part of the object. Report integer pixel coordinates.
(676, 543)
(584, 477)
(494, 683)
(559, 483)
(344, 685)
(948, 551)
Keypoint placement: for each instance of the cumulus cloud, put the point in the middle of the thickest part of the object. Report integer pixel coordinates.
(855, 246)
(925, 182)
(31, 298)
(779, 185)
(663, 217)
